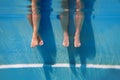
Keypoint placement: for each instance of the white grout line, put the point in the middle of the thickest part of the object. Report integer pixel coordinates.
(9, 66)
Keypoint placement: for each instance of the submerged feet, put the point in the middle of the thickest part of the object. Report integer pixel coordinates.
(77, 42)
(66, 40)
(36, 40)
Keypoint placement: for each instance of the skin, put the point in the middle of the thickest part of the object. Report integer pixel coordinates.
(78, 20)
(34, 19)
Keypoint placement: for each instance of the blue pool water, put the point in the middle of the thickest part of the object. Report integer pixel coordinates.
(99, 37)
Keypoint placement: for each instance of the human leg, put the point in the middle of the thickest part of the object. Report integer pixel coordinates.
(34, 19)
(64, 21)
(64, 18)
(78, 23)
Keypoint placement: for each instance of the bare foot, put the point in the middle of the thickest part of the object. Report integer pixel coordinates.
(34, 41)
(77, 42)
(66, 41)
(40, 41)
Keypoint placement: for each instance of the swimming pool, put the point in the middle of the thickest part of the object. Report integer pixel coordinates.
(97, 58)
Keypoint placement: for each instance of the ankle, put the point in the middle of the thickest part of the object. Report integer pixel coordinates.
(77, 33)
(77, 36)
(65, 34)
(35, 33)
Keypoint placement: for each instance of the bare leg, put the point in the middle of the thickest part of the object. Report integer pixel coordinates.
(34, 19)
(78, 23)
(64, 22)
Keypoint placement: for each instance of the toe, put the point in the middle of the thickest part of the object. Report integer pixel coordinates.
(65, 43)
(41, 42)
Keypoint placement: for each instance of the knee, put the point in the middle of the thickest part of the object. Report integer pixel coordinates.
(78, 14)
(64, 15)
(60, 16)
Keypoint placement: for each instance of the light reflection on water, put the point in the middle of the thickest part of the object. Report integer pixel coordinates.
(23, 7)
(14, 7)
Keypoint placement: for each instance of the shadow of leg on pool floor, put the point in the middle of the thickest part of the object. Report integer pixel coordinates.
(87, 49)
(48, 50)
